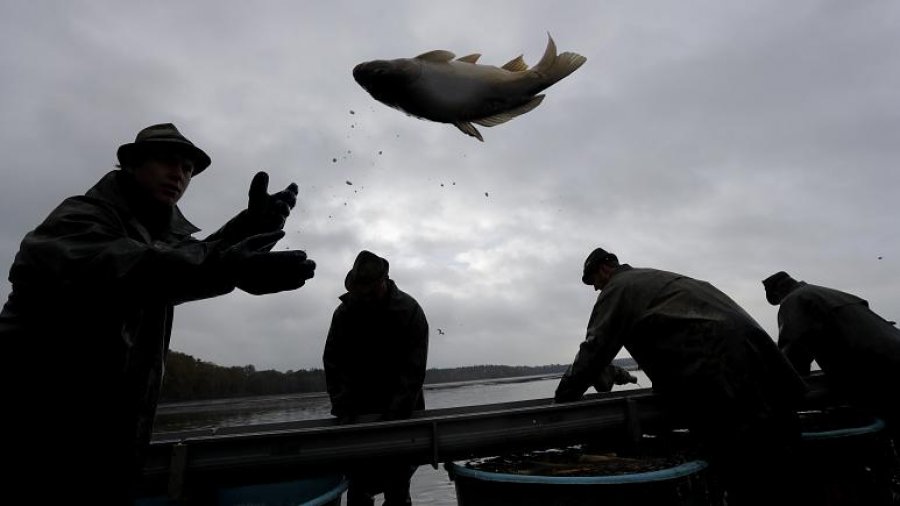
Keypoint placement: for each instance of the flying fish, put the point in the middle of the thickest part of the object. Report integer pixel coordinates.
(437, 86)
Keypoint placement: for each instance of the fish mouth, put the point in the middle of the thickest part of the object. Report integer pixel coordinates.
(358, 72)
(368, 72)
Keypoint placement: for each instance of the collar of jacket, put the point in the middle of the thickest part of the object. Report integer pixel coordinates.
(622, 268)
(109, 189)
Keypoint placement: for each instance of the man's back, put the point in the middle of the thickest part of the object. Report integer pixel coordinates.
(698, 347)
(857, 349)
(690, 338)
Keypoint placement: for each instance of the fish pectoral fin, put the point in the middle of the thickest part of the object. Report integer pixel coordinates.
(469, 129)
(505, 116)
(517, 64)
(437, 56)
(470, 58)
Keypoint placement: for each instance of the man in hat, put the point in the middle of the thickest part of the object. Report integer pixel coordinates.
(375, 357)
(88, 321)
(858, 350)
(709, 361)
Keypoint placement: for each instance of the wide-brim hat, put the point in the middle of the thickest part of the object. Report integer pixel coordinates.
(162, 136)
(367, 269)
(593, 261)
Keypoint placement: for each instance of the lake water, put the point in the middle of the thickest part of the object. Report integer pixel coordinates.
(429, 486)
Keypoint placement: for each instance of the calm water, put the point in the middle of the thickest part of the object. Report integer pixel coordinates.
(429, 486)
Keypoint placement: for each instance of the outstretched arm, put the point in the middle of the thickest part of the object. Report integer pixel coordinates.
(604, 339)
(84, 247)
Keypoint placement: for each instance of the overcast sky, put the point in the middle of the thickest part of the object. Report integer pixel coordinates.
(721, 140)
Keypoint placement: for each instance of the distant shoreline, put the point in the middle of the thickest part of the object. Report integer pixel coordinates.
(189, 381)
(226, 404)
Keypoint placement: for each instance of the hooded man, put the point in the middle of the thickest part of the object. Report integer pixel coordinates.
(375, 357)
(707, 359)
(858, 350)
(89, 317)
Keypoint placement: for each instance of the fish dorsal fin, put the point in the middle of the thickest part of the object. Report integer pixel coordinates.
(505, 116)
(470, 58)
(468, 129)
(437, 56)
(517, 64)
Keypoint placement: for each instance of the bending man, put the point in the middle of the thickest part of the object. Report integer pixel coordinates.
(707, 358)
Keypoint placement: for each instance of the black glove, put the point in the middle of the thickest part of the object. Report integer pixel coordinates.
(269, 212)
(624, 377)
(258, 271)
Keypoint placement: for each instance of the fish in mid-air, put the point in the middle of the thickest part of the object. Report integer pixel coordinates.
(437, 87)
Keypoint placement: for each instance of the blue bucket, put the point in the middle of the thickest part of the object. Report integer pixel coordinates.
(846, 460)
(314, 491)
(683, 485)
(319, 491)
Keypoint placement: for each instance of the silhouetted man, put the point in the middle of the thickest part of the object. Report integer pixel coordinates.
(707, 358)
(375, 357)
(858, 350)
(88, 322)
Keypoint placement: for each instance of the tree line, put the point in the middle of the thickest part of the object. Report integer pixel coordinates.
(188, 378)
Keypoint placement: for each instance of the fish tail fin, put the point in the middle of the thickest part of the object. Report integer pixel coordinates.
(557, 66)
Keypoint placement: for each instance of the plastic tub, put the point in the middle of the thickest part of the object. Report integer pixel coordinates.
(313, 491)
(683, 484)
(846, 458)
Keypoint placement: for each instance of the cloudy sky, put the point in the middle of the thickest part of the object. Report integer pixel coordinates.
(721, 140)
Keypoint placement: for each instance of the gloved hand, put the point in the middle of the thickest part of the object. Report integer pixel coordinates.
(269, 212)
(624, 377)
(258, 271)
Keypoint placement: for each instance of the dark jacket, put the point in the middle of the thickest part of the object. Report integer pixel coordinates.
(375, 356)
(88, 322)
(702, 352)
(858, 350)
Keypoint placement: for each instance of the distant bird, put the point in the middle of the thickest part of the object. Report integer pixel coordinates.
(440, 331)
(436, 87)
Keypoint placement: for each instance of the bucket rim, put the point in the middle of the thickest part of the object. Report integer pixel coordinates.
(877, 425)
(679, 471)
(333, 493)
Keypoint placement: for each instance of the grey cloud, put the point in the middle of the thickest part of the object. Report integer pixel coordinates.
(722, 141)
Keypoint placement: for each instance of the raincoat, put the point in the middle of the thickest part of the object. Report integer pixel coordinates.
(704, 354)
(858, 350)
(375, 356)
(87, 326)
